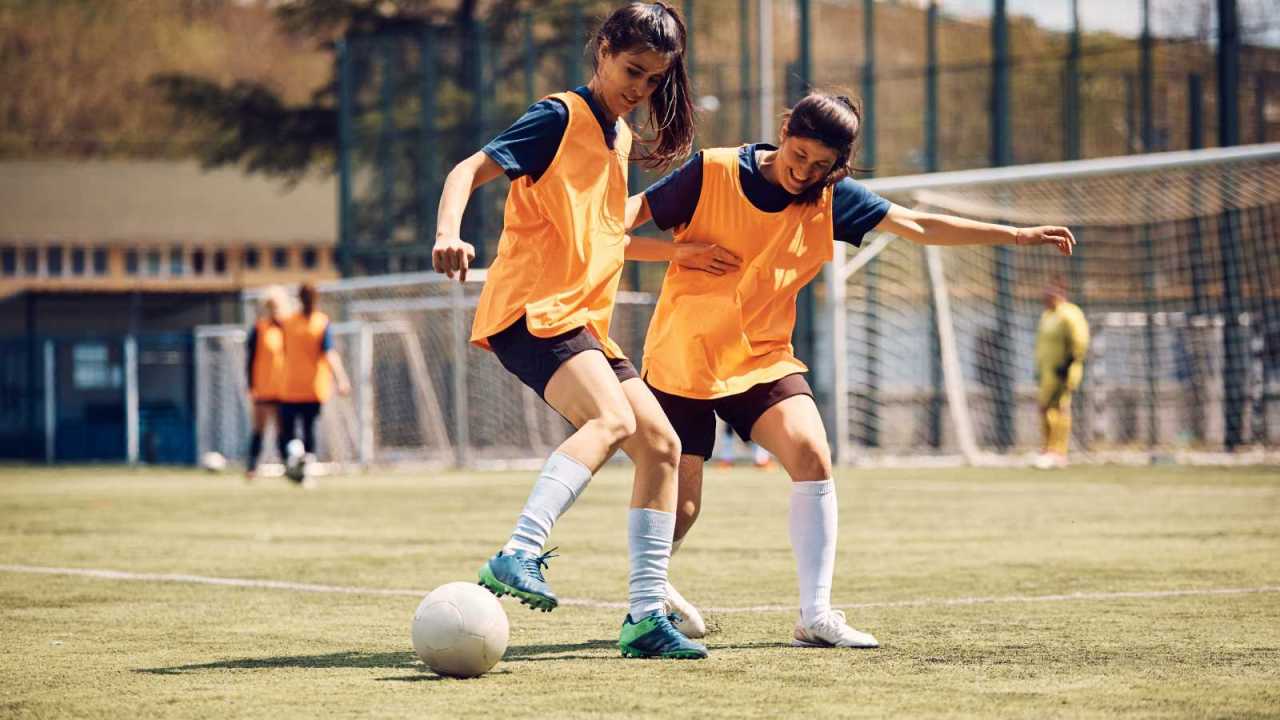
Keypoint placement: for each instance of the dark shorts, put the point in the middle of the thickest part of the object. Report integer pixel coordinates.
(534, 360)
(695, 420)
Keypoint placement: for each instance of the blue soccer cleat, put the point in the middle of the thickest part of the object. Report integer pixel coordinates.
(655, 637)
(519, 574)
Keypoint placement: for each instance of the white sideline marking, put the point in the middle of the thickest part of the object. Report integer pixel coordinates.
(579, 602)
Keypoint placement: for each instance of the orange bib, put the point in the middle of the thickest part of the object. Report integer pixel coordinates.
(561, 250)
(713, 336)
(268, 362)
(306, 367)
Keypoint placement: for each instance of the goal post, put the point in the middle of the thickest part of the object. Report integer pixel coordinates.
(1177, 270)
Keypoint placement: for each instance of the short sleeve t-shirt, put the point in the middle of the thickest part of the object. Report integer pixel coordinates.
(530, 144)
(673, 199)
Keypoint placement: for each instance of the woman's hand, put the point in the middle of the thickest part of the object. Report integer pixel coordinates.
(706, 257)
(1048, 235)
(452, 255)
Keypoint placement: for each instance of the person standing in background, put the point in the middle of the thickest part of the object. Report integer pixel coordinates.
(265, 370)
(309, 361)
(1062, 342)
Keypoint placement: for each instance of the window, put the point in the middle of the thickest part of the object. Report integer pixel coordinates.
(54, 260)
(177, 262)
(9, 261)
(280, 258)
(154, 262)
(309, 258)
(220, 262)
(77, 261)
(31, 262)
(131, 262)
(197, 262)
(99, 261)
(251, 258)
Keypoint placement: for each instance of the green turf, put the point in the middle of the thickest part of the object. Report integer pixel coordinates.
(86, 647)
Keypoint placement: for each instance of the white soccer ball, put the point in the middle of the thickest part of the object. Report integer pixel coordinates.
(460, 630)
(213, 461)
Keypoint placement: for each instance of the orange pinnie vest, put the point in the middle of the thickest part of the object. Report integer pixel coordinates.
(713, 336)
(267, 381)
(307, 377)
(561, 250)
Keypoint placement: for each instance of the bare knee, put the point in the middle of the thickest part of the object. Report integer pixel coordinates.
(658, 445)
(811, 461)
(614, 425)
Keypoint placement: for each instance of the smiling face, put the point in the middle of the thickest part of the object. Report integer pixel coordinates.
(623, 80)
(801, 162)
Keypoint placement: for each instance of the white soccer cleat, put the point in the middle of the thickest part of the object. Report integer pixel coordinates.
(831, 630)
(1044, 461)
(688, 620)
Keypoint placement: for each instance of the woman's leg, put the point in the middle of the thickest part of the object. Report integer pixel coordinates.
(263, 412)
(792, 430)
(309, 412)
(585, 390)
(286, 422)
(651, 524)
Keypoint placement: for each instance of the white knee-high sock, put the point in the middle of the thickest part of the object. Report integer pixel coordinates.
(649, 533)
(813, 540)
(561, 482)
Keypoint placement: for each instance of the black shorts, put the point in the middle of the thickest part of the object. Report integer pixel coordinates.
(534, 360)
(695, 419)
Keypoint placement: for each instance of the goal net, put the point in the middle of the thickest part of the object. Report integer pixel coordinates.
(421, 393)
(1177, 271)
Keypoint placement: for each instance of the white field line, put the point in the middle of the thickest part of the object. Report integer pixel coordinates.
(579, 602)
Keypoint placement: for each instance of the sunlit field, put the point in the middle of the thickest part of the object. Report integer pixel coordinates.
(1126, 592)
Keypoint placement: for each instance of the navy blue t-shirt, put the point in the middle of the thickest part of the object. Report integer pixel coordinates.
(530, 144)
(672, 200)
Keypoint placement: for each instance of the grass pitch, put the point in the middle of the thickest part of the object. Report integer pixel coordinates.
(1151, 592)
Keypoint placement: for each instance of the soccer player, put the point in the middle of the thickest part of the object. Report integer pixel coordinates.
(310, 360)
(548, 299)
(753, 225)
(1062, 342)
(264, 368)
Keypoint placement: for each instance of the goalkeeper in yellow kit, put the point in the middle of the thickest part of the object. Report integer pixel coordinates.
(1062, 341)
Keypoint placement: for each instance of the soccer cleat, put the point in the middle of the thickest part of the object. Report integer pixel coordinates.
(519, 574)
(831, 630)
(684, 615)
(655, 637)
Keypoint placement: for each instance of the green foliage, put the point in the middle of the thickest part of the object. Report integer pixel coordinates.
(251, 126)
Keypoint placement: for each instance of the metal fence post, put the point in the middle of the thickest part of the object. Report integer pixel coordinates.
(461, 410)
(131, 398)
(50, 404)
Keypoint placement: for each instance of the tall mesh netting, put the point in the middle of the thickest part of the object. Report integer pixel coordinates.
(1177, 271)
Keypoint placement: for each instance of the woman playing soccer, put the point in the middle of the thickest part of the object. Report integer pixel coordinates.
(549, 295)
(753, 226)
(265, 370)
(309, 360)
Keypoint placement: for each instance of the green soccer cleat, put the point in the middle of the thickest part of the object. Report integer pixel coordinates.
(519, 574)
(655, 637)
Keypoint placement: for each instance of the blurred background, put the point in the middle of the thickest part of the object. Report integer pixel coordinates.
(163, 160)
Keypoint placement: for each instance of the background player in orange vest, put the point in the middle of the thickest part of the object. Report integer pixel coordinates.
(309, 361)
(548, 299)
(264, 366)
(753, 226)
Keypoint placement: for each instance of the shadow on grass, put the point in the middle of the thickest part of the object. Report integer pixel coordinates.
(330, 660)
(747, 646)
(564, 651)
